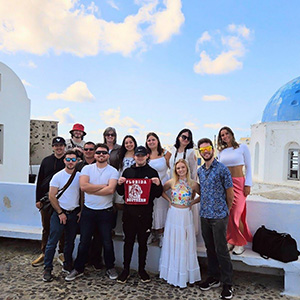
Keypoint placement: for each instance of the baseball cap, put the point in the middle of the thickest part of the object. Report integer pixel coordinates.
(58, 140)
(140, 150)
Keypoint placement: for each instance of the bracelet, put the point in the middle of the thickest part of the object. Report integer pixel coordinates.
(60, 213)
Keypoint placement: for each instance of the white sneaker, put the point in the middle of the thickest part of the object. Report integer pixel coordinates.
(112, 273)
(230, 247)
(238, 250)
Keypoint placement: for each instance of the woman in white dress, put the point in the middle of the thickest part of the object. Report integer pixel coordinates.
(159, 160)
(184, 148)
(178, 261)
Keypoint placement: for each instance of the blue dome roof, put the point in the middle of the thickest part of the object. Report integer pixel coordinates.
(285, 103)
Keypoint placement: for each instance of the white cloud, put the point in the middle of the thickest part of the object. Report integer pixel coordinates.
(214, 98)
(112, 117)
(69, 26)
(167, 22)
(64, 115)
(25, 82)
(191, 125)
(240, 29)
(112, 4)
(30, 64)
(205, 37)
(213, 126)
(241, 129)
(76, 92)
(229, 59)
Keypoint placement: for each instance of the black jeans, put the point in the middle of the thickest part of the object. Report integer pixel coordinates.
(133, 226)
(103, 220)
(219, 261)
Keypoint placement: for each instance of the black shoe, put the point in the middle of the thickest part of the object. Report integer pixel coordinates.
(47, 276)
(122, 278)
(144, 276)
(209, 283)
(226, 292)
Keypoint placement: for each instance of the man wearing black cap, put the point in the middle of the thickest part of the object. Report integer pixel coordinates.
(137, 215)
(49, 166)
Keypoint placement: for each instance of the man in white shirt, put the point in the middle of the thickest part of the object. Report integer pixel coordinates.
(65, 215)
(98, 182)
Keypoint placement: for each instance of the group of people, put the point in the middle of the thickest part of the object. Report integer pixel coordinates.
(161, 193)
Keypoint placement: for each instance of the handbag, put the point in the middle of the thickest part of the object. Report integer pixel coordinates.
(45, 201)
(271, 244)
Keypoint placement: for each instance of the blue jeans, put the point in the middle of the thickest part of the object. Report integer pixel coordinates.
(219, 261)
(56, 230)
(90, 218)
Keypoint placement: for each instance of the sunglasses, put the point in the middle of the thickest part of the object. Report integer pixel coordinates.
(68, 159)
(207, 148)
(110, 134)
(88, 149)
(101, 152)
(184, 137)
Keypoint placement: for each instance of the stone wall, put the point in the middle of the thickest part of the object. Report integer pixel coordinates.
(41, 135)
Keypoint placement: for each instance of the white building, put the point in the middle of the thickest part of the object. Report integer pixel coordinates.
(14, 127)
(275, 142)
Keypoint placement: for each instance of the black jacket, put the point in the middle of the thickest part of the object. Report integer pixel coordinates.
(155, 192)
(49, 166)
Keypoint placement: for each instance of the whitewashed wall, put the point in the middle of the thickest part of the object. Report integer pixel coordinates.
(273, 140)
(15, 121)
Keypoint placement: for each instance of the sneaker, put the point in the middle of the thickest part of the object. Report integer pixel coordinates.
(230, 247)
(73, 275)
(67, 269)
(209, 283)
(61, 258)
(151, 239)
(47, 276)
(122, 278)
(144, 276)
(112, 273)
(39, 261)
(238, 250)
(226, 292)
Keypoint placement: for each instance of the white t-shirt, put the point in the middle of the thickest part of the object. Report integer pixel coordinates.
(69, 200)
(99, 176)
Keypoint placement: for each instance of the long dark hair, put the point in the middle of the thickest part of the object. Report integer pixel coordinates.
(222, 145)
(190, 144)
(122, 150)
(159, 147)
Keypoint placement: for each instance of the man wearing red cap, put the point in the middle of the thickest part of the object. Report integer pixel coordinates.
(76, 141)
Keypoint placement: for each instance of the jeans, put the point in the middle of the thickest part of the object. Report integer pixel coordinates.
(103, 220)
(46, 216)
(56, 231)
(219, 261)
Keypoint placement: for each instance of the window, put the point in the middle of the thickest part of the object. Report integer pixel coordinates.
(294, 164)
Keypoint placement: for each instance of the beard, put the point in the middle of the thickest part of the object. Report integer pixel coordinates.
(208, 158)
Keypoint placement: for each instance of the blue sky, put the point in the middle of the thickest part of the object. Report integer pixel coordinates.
(151, 65)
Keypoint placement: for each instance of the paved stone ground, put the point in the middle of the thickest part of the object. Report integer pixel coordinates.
(19, 280)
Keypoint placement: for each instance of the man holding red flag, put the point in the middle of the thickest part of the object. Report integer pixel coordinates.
(139, 184)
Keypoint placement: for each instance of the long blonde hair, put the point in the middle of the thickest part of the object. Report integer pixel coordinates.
(175, 178)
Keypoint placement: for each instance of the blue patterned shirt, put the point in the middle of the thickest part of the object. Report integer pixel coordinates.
(214, 182)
